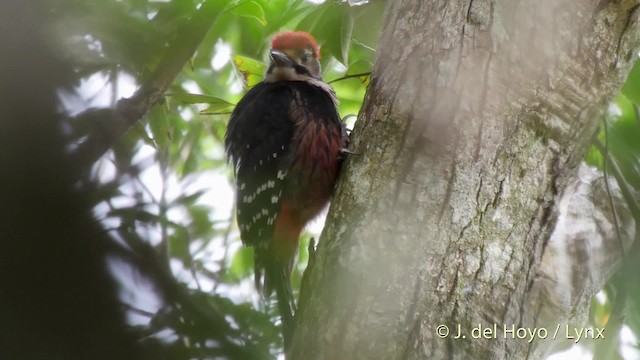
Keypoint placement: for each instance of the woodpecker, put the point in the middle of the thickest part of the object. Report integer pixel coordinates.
(285, 140)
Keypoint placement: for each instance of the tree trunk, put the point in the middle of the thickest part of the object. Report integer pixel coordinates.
(477, 117)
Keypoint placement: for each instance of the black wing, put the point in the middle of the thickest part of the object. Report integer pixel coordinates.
(257, 142)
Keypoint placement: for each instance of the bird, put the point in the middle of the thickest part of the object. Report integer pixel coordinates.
(286, 143)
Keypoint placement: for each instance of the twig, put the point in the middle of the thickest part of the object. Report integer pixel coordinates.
(225, 244)
(608, 188)
(139, 311)
(164, 242)
(349, 77)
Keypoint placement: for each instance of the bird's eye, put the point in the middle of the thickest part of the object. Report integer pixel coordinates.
(304, 58)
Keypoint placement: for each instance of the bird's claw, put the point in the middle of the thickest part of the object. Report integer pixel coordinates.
(345, 151)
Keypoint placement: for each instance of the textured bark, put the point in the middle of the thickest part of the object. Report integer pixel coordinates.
(475, 122)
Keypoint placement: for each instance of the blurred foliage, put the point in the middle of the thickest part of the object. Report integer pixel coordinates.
(163, 192)
(616, 151)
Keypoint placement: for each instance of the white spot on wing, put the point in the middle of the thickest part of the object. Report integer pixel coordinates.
(261, 188)
(237, 167)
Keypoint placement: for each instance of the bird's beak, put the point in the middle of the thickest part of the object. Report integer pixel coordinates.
(280, 58)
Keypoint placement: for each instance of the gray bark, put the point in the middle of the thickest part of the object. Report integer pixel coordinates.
(477, 117)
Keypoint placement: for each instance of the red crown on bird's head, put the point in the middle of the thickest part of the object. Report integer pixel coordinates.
(295, 40)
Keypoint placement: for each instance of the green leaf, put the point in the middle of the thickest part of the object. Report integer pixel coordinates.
(280, 12)
(140, 130)
(200, 225)
(159, 125)
(189, 200)
(190, 157)
(631, 88)
(303, 251)
(252, 70)
(179, 245)
(242, 263)
(251, 9)
(310, 21)
(627, 110)
(190, 164)
(337, 27)
(593, 157)
(624, 132)
(346, 30)
(217, 109)
(359, 52)
(368, 22)
(301, 264)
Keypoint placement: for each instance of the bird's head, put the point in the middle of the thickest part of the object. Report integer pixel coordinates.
(295, 56)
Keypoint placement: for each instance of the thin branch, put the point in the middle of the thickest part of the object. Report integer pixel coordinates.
(349, 77)
(163, 155)
(139, 311)
(116, 121)
(225, 244)
(608, 188)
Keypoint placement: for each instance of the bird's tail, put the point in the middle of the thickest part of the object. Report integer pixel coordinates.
(286, 303)
(277, 278)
